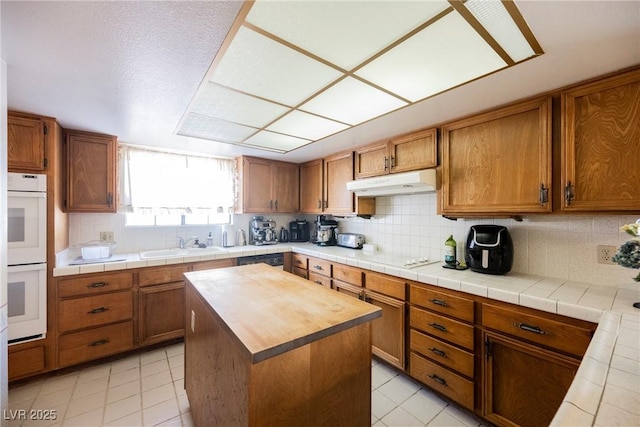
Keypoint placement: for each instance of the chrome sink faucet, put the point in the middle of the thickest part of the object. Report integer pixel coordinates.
(182, 243)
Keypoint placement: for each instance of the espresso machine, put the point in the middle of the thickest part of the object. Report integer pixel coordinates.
(326, 231)
(262, 231)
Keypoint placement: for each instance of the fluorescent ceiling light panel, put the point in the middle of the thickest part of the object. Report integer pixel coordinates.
(260, 66)
(351, 101)
(446, 54)
(214, 129)
(275, 141)
(495, 19)
(226, 104)
(308, 126)
(293, 72)
(345, 33)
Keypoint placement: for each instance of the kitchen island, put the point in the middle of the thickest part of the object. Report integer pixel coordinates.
(264, 347)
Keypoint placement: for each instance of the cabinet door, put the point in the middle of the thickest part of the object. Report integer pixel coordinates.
(372, 160)
(256, 185)
(25, 144)
(498, 162)
(387, 332)
(516, 393)
(91, 171)
(311, 187)
(600, 147)
(285, 187)
(413, 152)
(338, 170)
(161, 313)
(29, 360)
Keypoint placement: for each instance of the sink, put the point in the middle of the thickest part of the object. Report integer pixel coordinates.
(177, 252)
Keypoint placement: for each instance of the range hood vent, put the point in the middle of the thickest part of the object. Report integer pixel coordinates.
(422, 181)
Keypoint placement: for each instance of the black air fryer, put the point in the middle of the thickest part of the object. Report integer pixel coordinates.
(489, 249)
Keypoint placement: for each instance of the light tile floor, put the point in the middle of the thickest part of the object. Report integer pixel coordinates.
(147, 389)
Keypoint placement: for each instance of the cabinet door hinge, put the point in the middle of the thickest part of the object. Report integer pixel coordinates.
(568, 193)
(487, 348)
(46, 129)
(544, 195)
(45, 163)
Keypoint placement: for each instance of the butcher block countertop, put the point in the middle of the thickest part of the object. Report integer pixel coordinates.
(272, 312)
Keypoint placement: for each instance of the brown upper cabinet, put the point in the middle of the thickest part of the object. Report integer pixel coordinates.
(267, 186)
(338, 170)
(25, 143)
(498, 162)
(311, 185)
(406, 153)
(91, 172)
(601, 145)
(323, 187)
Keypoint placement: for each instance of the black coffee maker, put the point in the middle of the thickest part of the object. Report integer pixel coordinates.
(299, 230)
(489, 249)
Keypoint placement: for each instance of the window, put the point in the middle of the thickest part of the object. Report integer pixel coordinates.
(160, 188)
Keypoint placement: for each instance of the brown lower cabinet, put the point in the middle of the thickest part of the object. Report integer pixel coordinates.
(161, 311)
(98, 315)
(523, 384)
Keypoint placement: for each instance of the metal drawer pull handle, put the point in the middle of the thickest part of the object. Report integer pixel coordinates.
(528, 328)
(439, 302)
(318, 282)
(438, 327)
(98, 310)
(99, 342)
(438, 352)
(438, 380)
(318, 267)
(97, 285)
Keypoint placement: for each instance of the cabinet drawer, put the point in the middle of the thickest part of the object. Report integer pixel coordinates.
(155, 276)
(302, 272)
(320, 266)
(93, 285)
(300, 261)
(442, 327)
(385, 285)
(94, 343)
(216, 263)
(347, 274)
(452, 385)
(26, 362)
(319, 279)
(551, 333)
(451, 305)
(345, 288)
(94, 310)
(441, 352)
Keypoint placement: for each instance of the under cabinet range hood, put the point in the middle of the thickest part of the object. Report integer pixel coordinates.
(422, 181)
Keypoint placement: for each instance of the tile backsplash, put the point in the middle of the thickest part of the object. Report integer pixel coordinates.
(559, 246)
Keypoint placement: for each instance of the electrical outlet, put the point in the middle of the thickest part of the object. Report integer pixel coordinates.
(605, 253)
(106, 236)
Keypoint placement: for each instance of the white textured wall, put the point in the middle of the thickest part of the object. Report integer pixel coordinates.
(547, 245)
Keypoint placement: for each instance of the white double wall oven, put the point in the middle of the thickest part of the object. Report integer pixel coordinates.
(27, 256)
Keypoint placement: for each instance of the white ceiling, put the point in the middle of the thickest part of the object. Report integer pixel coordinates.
(131, 69)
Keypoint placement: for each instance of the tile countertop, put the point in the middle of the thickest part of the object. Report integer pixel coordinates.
(606, 388)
